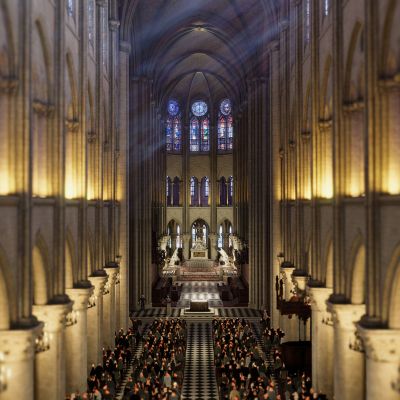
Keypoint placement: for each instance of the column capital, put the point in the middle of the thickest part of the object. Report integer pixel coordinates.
(381, 345)
(98, 282)
(346, 315)
(80, 297)
(125, 46)
(112, 272)
(319, 296)
(19, 345)
(53, 315)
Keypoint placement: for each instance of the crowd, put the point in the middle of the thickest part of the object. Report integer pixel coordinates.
(158, 372)
(241, 369)
(104, 378)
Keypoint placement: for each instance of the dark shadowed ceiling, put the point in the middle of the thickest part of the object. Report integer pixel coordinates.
(198, 48)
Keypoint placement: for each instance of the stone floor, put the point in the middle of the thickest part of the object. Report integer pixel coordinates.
(199, 291)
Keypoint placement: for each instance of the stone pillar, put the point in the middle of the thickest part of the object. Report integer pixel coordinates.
(95, 320)
(349, 365)
(17, 349)
(173, 241)
(76, 340)
(50, 364)
(382, 347)
(213, 245)
(109, 307)
(322, 341)
(185, 243)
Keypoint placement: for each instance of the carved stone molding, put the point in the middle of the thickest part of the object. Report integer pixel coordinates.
(91, 137)
(345, 316)
(325, 124)
(354, 106)
(42, 108)
(113, 24)
(72, 125)
(382, 345)
(389, 84)
(318, 297)
(53, 315)
(19, 345)
(306, 136)
(8, 84)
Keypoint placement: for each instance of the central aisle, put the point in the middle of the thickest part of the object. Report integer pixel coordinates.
(199, 379)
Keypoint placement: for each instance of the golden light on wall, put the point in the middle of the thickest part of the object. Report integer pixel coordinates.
(393, 183)
(307, 191)
(326, 188)
(5, 184)
(90, 193)
(70, 188)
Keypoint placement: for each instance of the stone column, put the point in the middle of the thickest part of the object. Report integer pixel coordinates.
(50, 364)
(17, 349)
(185, 243)
(109, 307)
(76, 340)
(322, 341)
(213, 245)
(349, 365)
(95, 320)
(382, 347)
(173, 241)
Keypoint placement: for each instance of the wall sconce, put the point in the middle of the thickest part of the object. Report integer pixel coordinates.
(71, 318)
(3, 374)
(357, 344)
(280, 258)
(92, 301)
(42, 343)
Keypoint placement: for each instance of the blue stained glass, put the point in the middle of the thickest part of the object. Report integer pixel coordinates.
(225, 107)
(173, 108)
(199, 108)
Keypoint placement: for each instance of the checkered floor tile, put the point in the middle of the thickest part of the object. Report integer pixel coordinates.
(199, 381)
(239, 313)
(200, 291)
(156, 312)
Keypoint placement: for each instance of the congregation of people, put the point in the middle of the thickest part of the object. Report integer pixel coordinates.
(105, 378)
(241, 368)
(158, 372)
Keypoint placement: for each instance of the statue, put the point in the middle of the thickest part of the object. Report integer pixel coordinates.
(199, 232)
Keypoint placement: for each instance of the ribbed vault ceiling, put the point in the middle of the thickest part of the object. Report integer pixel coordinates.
(197, 48)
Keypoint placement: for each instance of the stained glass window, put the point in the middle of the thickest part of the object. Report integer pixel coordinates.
(326, 8)
(105, 37)
(205, 135)
(91, 21)
(225, 126)
(71, 8)
(199, 108)
(225, 107)
(308, 21)
(173, 107)
(168, 133)
(230, 191)
(173, 128)
(194, 134)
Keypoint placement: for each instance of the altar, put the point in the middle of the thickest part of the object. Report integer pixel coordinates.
(199, 306)
(199, 251)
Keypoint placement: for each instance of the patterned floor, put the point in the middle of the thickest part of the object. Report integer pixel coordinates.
(199, 291)
(156, 312)
(199, 379)
(247, 313)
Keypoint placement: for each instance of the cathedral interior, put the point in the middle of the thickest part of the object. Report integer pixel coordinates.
(199, 199)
